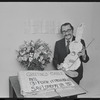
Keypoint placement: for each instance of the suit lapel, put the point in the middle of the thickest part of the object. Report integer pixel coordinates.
(63, 46)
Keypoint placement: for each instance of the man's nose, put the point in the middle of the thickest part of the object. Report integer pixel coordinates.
(67, 33)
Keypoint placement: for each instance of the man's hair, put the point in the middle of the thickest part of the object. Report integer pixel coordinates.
(65, 24)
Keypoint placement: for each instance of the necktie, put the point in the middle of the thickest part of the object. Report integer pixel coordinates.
(67, 47)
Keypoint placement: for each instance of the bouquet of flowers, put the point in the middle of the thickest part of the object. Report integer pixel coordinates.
(34, 55)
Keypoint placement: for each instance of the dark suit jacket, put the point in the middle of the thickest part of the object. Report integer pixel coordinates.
(60, 53)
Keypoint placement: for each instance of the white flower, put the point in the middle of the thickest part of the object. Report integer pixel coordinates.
(36, 55)
(26, 43)
(19, 59)
(30, 59)
(31, 54)
(22, 52)
(43, 62)
(41, 58)
(45, 52)
(32, 42)
(24, 58)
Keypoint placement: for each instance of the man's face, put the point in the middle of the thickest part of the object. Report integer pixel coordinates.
(67, 32)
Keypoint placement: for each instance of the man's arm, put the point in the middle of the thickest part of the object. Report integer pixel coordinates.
(83, 54)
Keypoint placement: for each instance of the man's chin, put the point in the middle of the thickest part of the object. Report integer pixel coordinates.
(68, 38)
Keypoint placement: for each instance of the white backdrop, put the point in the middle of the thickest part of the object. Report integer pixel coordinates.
(13, 31)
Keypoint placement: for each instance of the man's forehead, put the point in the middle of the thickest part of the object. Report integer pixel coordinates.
(66, 27)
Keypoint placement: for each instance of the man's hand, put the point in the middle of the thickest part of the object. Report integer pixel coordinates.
(60, 66)
(82, 53)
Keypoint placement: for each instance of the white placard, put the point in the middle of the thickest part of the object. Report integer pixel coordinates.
(43, 83)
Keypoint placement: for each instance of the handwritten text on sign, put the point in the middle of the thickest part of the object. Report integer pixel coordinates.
(48, 80)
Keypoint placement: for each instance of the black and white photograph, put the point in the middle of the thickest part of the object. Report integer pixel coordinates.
(49, 50)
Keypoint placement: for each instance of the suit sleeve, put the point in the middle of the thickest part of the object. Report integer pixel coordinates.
(55, 58)
(87, 57)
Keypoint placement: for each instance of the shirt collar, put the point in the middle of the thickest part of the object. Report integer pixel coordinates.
(67, 40)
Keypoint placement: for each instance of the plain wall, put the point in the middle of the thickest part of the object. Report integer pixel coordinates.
(91, 80)
(13, 16)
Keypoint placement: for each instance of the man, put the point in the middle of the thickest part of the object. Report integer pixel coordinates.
(60, 52)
